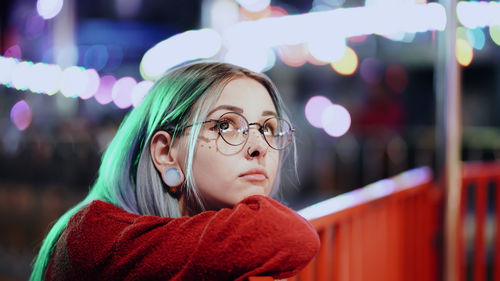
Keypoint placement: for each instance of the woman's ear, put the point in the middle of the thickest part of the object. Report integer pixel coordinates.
(164, 158)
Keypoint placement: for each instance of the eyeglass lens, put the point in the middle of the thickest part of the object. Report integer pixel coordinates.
(234, 129)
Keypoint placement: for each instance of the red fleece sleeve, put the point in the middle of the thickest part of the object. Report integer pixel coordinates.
(259, 236)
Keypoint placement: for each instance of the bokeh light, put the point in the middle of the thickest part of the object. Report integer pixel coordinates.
(253, 58)
(140, 91)
(73, 81)
(122, 92)
(6, 68)
(371, 70)
(348, 64)
(476, 38)
(314, 109)
(48, 9)
(327, 48)
(21, 115)
(13, 52)
(21, 75)
(96, 57)
(34, 26)
(464, 52)
(254, 5)
(52, 75)
(495, 34)
(293, 55)
(39, 82)
(92, 86)
(103, 94)
(335, 120)
(396, 78)
(186, 46)
(127, 8)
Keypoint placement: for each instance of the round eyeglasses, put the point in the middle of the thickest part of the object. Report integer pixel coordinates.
(234, 130)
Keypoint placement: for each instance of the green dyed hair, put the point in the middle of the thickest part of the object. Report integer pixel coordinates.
(127, 176)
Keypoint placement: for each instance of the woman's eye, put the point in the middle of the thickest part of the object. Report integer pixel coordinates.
(269, 130)
(225, 125)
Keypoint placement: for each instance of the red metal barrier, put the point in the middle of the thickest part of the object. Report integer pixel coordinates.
(384, 231)
(477, 178)
(388, 230)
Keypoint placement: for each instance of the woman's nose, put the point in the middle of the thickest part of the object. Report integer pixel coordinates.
(256, 144)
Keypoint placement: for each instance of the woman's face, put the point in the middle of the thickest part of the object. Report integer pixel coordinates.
(225, 174)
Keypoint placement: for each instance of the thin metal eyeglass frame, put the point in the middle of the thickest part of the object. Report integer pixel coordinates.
(260, 129)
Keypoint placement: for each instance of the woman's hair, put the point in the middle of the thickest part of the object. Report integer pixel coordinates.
(127, 176)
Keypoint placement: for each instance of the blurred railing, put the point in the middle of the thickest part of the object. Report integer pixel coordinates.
(479, 230)
(384, 231)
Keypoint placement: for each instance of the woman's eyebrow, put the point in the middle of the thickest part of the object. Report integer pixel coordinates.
(268, 113)
(227, 107)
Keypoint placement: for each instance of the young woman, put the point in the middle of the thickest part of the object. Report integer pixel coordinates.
(183, 191)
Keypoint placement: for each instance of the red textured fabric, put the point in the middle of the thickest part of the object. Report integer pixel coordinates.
(258, 236)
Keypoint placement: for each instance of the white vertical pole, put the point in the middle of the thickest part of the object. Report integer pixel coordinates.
(449, 135)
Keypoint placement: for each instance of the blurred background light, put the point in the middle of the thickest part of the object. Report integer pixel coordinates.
(6, 68)
(464, 52)
(314, 109)
(21, 75)
(38, 82)
(96, 57)
(371, 70)
(127, 8)
(140, 90)
(495, 34)
(122, 92)
(335, 120)
(51, 79)
(254, 5)
(74, 81)
(21, 115)
(293, 55)
(253, 58)
(92, 86)
(34, 26)
(327, 48)
(348, 64)
(478, 13)
(476, 38)
(221, 14)
(396, 78)
(48, 9)
(13, 51)
(186, 46)
(103, 94)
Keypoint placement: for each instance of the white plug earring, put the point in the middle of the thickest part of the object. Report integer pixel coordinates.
(172, 177)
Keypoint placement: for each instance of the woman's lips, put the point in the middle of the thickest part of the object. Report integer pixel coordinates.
(254, 175)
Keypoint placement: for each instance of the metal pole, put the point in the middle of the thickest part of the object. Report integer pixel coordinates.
(449, 136)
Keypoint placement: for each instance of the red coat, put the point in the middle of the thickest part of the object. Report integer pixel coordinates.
(258, 236)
